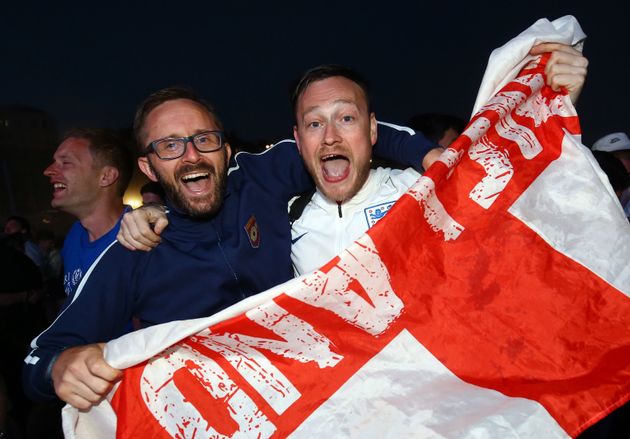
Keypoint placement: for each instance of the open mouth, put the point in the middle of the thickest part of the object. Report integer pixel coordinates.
(335, 167)
(58, 188)
(197, 182)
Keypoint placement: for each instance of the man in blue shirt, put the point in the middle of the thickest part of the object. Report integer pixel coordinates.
(89, 174)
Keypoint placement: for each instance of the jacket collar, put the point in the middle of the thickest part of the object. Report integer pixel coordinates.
(376, 178)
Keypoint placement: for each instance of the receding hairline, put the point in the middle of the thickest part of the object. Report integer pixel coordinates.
(202, 107)
(326, 71)
(357, 87)
(156, 99)
(98, 157)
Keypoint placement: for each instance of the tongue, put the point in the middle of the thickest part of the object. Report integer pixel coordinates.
(336, 169)
(199, 185)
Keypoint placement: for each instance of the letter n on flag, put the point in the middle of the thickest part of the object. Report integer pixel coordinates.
(491, 301)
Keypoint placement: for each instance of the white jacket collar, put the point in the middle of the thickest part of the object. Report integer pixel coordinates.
(377, 178)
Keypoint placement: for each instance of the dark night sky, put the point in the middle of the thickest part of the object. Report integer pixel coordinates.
(90, 66)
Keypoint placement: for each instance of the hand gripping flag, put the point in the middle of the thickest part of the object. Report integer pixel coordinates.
(492, 301)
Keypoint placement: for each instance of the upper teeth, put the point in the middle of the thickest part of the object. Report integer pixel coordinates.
(330, 156)
(196, 175)
(59, 186)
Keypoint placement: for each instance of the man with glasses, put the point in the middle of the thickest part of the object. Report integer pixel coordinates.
(229, 238)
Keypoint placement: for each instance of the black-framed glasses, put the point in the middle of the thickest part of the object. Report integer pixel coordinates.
(171, 148)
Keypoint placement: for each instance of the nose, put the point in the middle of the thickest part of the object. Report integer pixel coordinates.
(50, 170)
(331, 134)
(190, 152)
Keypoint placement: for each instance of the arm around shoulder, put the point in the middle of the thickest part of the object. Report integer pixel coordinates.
(279, 170)
(404, 145)
(140, 229)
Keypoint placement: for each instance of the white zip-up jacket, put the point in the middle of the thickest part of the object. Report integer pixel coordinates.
(325, 229)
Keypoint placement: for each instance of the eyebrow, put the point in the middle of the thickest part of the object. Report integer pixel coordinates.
(63, 155)
(335, 102)
(197, 131)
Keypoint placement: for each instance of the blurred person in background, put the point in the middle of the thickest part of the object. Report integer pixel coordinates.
(617, 144)
(440, 128)
(152, 192)
(21, 318)
(54, 295)
(617, 175)
(20, 225)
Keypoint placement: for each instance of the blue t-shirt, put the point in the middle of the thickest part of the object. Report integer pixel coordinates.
(78, 253)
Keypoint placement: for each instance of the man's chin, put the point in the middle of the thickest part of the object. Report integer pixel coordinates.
(56, 204)
(338, 194)
(202, 214)
(201, 210)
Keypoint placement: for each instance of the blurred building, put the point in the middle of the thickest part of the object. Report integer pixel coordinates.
(28, 139)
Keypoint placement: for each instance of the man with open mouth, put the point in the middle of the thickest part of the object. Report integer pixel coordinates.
(89, 174)
(335, 130)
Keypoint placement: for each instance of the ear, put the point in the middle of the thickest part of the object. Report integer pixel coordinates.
(143, 164)
(296, 137)
(109, 176)
(373, 129)
(228, 152)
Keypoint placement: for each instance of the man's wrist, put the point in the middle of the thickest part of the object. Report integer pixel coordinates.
(162, 207)
(49, 369)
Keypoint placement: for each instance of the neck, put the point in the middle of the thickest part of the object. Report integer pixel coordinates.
(101, 218)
